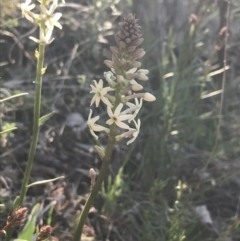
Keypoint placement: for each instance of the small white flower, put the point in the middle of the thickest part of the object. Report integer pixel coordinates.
(95, 127)
(52, 18)
(117, 117)
(100, 93)
(26, 10)
(125, 134)
(44, 38)
(135, 134)
(133, 108)
(109, 76)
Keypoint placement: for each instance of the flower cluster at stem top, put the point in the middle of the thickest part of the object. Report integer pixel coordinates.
(47, 19)
(121, 81)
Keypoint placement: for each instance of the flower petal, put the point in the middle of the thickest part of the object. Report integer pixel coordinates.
(93, 134)
(97, 127)
(122, 125)
(109, 111)
(124, 117)
(118, 109)
(110, 122)
(106, 101)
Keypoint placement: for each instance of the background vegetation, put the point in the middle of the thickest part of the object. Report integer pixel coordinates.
(180, 180)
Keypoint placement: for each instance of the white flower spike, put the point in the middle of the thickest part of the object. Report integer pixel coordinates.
(117, 117)
(95, 127)
(100, 93)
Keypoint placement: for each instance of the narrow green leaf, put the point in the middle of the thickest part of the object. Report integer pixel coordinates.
(50, 213)
(16, 202)
(44, 181)
(8, 130)
(44, 118)
(28, 230)
(12, 96)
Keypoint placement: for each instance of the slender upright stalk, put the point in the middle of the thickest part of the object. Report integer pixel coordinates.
(37, 105)
(46, 20)
(121, 80)
(32, 151)
(97, 186)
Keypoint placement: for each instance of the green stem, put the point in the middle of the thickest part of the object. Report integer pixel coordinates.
(37, 104)
(97, 186)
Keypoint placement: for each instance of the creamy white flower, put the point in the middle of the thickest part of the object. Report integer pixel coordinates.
(44, 38)
(137, 106)
(95, 127)
(100, 93)
(109, 76)
(125, 134)
(26, 10)
(133, 108)
(52, 18)
(117, 117)
(135, 134)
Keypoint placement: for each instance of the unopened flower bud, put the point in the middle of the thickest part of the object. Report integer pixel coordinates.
(143, 71)
(123, 62)
(109, 63)
(131, 49)
(132, 76)
(149, 97)
(135, 86)
(92, 175)
(17, 217)
(139, 53)
(114, 50)
(142, 74)
(45, 232)
(122, 45)
(136, 64)
(117, 39)
(137, 41)
(120, 78)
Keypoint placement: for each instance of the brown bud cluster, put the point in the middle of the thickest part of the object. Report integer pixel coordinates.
(45, 232)
(17, 217)
(129, 31)
(128, 38)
